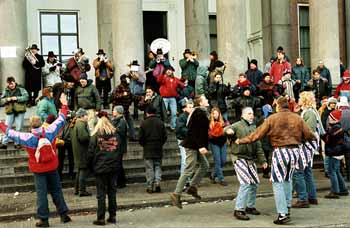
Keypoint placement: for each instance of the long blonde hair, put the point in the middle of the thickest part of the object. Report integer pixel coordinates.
(307, 99)
(212, 119)
(103, 126)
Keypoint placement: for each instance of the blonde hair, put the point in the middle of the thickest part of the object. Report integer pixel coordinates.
(103, 126)
(35, 122)
(307, 99)
(212, 119)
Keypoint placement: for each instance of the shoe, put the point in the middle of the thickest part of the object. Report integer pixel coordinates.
(157, 189)
(281, 220)
(252, 211)
(223, 183)
(194, 192)
(82, 194)
(301, 204)
(3, 146)
(149, 190)
(65, 218)
(331, 195)
(240, 215)
(313, 201)
(42, 223)
(99, 222)
(176, 200)
(112, 220)
(345, 193)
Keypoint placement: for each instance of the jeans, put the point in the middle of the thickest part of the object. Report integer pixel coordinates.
(170, 102)
(80, 180)
(130, 123)
(183, 156)
(283, 196)
(153, 172)
(106, 184)
(337, 180)
(49, 182)
(18, 119)
(326, 163)
(61, 156)
(246, 196)
(192, 157)
(219, 155)
(305, 184)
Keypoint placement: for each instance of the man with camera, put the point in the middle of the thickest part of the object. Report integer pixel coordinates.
(51, 70)
(189, 65)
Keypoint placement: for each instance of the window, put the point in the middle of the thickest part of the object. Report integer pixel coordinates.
(213, 33)
(59, 33)
(304, 34)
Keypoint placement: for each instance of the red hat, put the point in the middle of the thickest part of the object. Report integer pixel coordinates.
(346, 75)
(336, 115)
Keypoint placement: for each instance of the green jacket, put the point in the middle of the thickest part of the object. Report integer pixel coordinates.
(80, 143)
(201, 85)
(87, 97)
(310, 119)
(46, 107)
(189, 68)
(251, 151)
(18, 106)
(301, 73)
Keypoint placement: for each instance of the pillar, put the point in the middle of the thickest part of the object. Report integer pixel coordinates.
(232, 37)
(324, 36)
(197, 28)
(13, 16)
(104, 21)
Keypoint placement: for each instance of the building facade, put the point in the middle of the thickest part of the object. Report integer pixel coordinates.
(238, 30)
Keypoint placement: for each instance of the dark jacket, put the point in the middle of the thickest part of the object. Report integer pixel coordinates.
(268, 92)
(218, 93)
(320, 88)
(152, 137)
(254, 76)
(18, 106)
(197, 133)
(201, 84)
(103, 153)
(80, 142)
(118, 97)
(87, 97)
(186, 92)
(334, 140)
(301, 73)
(120, 124)
(33, 75)
(181, 128)
(157, 102)
(326, 74)
(189, 68)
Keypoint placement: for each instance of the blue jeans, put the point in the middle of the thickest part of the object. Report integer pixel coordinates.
(153, 172)
(305, 184)
(337, 180)
(246, 196)
(170, 102)
(183, 156)
(18, 119)
(219, 155)
(49, 182)
(326, 163)
(283, 196)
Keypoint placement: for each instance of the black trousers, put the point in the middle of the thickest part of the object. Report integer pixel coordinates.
(62, 155)
(104, 87)
(121, 178)
(106, 184)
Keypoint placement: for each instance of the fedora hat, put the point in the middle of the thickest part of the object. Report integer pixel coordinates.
(34, 46)
(51, 54)
(100, 52)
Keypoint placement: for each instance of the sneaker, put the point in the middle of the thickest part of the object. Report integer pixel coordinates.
(65, 218)
(313, 201)
(252, 211)
(112, 220)
(193, 192)
(331, 195)
(157, 189)
(240, 215)
(3, 146)
(83, 194)
(345, 193)
(223, 183)
(42, 223)
(176, 200)
(99, 222)
(301, 204)
(281, 220)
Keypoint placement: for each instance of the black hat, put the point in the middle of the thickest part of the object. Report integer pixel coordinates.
(134, 63)
(254, 61)
(219, 63)
(187, 51)
(100, 52)
(51, 54)
(280, 49)
(123, 77)
(83, 76)
(159, 51)
(246, 88)
(34, 46)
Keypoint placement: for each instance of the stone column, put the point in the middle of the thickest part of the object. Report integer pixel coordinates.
(324, 36)
(232, 36)
(347, 36)
(127, 33)
(104, 21)
(13, 15)
(197, 28)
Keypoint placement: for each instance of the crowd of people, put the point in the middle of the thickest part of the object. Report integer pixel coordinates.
(278, 119)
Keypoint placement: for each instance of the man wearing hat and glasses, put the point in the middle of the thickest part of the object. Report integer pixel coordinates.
(189, 66)
(32, 64)
(103, 73)
(52, 70)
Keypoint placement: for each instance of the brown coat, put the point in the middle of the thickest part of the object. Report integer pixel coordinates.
(109, 68)
(284, 129)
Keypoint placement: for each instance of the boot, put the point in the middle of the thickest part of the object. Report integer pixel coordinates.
(313, 201)
(65, 218)
(240, 215)
(157, 189)
(112, 220)
(99, 222)
(193, 192)
(252, 211)
(176, 200)
(301, 204)
(42, 223)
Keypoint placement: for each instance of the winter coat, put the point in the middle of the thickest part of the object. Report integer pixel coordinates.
(237, 89)
(136, 82)
(51, 74)
(268, 91)
(252, 151)
(343, 89)
(103, 154)
(152, 137)
(334, 140)
(33, 76)
(45, 107)
(87, 97)
(157, 102)
(118, 97)
(189, 68)
(181, 128)
(30, 141)
(120, 124)
(159, 67)
(217, 94)
(80, 144)
(277, 70)
(301, 73)
(197, 133)
(169, 85)
(74, 68)
(254, 76)
(12, 107)
(326, 74)
(201, 85)
(320, 88)
(97, 64)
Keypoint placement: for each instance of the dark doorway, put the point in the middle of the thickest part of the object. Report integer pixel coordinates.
(155, 25)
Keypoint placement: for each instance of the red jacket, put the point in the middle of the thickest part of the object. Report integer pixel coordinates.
(342, 87)
(169, 85)
(277, 70)
(30, 142)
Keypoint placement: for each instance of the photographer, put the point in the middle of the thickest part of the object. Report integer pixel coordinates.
(189, 66)
(52, 70)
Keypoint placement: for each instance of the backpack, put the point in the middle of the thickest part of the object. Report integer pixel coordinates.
(44, 152)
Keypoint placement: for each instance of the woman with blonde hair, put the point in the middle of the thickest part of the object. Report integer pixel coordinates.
(103, 156)
(304, 180)
(217, 144)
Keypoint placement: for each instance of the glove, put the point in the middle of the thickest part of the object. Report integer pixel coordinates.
(53, 68)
